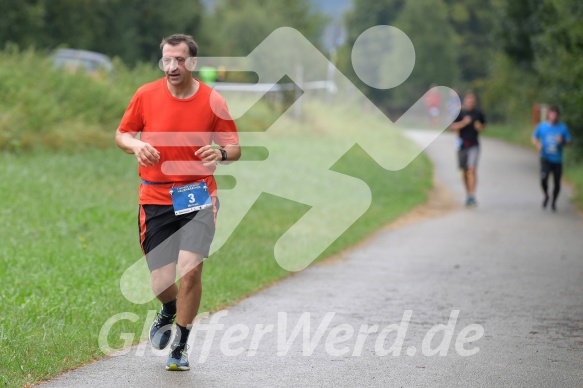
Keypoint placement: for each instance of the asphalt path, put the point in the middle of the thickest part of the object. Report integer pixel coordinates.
(483, 297)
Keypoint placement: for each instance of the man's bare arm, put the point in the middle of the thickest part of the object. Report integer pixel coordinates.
(233, 153)
(211, 155)
(145, 153)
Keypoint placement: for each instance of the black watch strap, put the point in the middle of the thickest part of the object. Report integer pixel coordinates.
(223, 155)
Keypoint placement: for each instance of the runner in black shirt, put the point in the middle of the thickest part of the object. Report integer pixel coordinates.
(468, 124)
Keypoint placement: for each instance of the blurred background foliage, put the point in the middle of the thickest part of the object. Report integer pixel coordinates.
(514, 53)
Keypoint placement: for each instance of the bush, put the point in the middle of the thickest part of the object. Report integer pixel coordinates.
(45, 107)
(510, 92)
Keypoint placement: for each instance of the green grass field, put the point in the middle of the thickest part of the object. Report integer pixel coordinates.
(520, 134)
(69, 230)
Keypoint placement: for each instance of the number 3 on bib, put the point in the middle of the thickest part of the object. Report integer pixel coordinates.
(190, 198)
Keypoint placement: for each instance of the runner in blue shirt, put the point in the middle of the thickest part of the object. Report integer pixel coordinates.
(549, 138)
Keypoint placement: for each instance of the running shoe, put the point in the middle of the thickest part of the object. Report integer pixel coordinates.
(161, 330)
(178, 358)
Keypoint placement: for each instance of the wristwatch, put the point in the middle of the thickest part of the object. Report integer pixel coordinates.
(223, 155)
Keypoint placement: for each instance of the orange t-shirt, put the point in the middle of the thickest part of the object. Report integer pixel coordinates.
(177, 128)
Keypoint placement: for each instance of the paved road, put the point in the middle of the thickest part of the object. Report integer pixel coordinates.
(511, 271)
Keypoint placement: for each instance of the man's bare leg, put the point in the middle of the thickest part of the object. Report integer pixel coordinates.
(164, 283)
(190, 290)
(189, 294)
(471, 181)
(469, 177)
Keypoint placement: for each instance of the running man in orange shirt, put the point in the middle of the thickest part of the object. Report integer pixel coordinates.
(178, 119)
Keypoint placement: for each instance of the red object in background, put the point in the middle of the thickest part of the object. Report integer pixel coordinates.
(433, 99)
(539, 113)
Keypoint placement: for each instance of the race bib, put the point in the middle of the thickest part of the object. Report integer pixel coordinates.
(190, 198)
(551, 144)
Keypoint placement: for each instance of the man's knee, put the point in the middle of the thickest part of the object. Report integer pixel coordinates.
(162, 278)
(190, 269)
(192, 275)
(191, 279)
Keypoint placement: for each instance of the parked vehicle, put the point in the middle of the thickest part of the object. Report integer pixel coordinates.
(93, 63)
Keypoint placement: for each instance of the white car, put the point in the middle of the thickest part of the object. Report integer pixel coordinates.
(91, 62)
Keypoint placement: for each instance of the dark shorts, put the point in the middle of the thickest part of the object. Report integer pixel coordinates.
(547, 168)
(468, 157)
(163, 234)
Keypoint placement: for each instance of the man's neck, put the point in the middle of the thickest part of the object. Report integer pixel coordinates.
(184, 90)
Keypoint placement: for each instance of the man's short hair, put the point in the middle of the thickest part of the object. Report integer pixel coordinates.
(555, 108)
(176, 39)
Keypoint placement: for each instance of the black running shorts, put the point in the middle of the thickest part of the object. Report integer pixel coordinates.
(163, 234)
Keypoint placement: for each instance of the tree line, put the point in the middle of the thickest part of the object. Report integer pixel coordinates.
(512, 52)
(132, 29)
(542, 45)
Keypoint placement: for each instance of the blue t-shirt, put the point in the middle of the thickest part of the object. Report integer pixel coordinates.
(547, 134)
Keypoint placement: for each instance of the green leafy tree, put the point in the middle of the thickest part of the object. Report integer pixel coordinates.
(364, 15)
(558, 51)
(369, 13)
(78, 24)
(472, 21)
(512, 85)
(543, 40)
(427, 25)
(517, 24)
(237, 27)
(130, 29)
(143, 24)
(20, 21)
